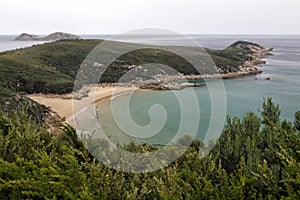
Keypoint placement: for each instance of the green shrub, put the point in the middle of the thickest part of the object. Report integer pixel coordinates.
(253, 159)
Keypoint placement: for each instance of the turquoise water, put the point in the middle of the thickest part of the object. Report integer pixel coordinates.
(242, 94)
(139, 106)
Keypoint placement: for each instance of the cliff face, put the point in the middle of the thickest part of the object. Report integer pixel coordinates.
(52, 37)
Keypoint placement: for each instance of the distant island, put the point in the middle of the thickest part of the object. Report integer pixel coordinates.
(52, 37)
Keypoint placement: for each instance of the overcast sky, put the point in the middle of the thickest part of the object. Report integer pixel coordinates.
(183, 16)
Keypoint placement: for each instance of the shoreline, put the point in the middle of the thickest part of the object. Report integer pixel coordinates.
(62, 105)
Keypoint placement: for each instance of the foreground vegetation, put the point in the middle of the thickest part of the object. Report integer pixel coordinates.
(257, 157)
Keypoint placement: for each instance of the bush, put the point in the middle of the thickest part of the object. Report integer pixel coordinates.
(251, 160)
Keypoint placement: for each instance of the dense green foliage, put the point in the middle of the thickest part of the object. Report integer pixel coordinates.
(255, 158)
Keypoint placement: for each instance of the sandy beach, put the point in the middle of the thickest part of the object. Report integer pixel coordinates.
(68, 108)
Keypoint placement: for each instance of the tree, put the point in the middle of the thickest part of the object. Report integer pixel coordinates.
(297, 120)
(271, 113)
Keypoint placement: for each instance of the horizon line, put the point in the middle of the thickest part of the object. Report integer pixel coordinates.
(278, 34)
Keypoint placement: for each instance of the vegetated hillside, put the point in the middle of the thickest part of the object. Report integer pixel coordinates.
(256, 157)
(47, 68)
(52, 67)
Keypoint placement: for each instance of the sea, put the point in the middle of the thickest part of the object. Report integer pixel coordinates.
(7, 43)
(280, 80)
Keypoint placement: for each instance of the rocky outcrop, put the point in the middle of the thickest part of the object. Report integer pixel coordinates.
(52, 37)
(169, 86)
(249, 46)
